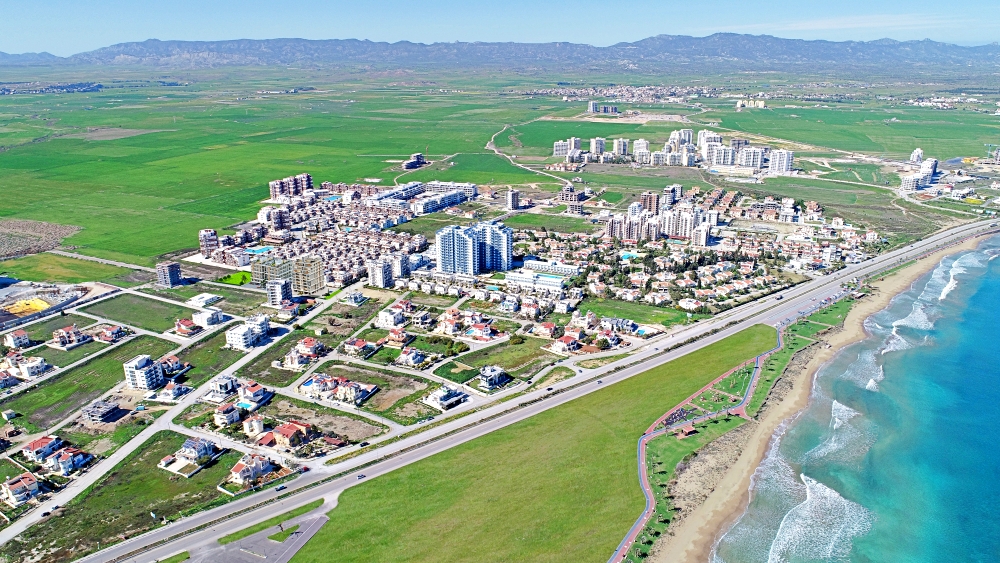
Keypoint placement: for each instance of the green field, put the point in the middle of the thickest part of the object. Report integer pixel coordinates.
(150, 314)
(208, 358)
(234, 301)
(519, 360)
(60, 396)
(834, 314)
(189, 171)
(560, 224)
(60, 269)
(428, 225)
(42, 331)
(481, 168)
(638, 312)
(544, 469)
(62, 359)
(942, 134)
(121, 502)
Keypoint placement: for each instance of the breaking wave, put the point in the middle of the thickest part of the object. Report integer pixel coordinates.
(820, 528)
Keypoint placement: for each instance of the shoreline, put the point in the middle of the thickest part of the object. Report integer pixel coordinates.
(691, 541)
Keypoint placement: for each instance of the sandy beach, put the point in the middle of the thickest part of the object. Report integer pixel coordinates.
(691, 537)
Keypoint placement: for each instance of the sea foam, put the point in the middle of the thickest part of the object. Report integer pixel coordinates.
(820, 528)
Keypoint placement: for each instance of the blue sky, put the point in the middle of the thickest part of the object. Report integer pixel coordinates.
(64, 27)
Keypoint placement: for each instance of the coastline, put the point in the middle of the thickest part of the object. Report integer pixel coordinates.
(691, 539)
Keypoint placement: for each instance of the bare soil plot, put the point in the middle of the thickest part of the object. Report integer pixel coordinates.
(326, 419)
(112, 133)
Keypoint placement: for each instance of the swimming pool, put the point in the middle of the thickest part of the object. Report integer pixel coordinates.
(258, 249)
(332, 198)
(244, 406)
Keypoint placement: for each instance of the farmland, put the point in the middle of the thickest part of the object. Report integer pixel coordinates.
(445, 497)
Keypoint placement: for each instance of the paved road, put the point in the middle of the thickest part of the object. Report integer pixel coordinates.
(450, 434)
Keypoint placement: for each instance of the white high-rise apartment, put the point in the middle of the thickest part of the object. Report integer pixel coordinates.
(380, 273)
(723, 156)
(457, 250)
(708, 151)
(781, 161)
(560, 148)
(751, 156)
(593, 107)
(642, 156)
(597, 146)
(707, 136)
(496, 252)
(640, 145)
(575, 143)
(686, 136)
(513, 200)
(141, 372)
(278, 291)
(621, 147)
(635, 209)
(917, 156)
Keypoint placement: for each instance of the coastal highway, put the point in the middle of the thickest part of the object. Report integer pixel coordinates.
(185, 534)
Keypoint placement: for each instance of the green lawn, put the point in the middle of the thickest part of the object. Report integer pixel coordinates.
(57, 398)
(121, 502)
(772, 371)
(282, 535)
(428, 225)
(53, 268)
(141, 312)
(208, 358)
(805, 328)
(533, 476)
(235, 278)
(179, 558)
(251, 530)
(833, 314)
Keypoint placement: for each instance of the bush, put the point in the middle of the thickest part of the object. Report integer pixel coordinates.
(516, 339)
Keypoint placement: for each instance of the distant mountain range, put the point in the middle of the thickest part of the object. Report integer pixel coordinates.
(655, 53)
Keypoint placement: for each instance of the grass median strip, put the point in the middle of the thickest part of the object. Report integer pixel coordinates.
(251, 530)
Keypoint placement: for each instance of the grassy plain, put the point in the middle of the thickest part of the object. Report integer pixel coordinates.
(60, 358)
(556, 223)
(519, 360)
(121, 502)
(58, 397)
(190, 170)
(533, 476)
(150, 314)
(60, 269)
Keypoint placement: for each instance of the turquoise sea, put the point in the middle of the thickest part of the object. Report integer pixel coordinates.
(897, 457)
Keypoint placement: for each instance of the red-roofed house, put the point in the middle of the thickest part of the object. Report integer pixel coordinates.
(250, 468)
(17, 339)
(186, 327)
(18, 490)
(309, 347)
(548, 330)
(482, 330)
(111, 334)
(226, 414)
(291, 433)
(566, 344)
(66, 460)
(38, 450)
(357, 347)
